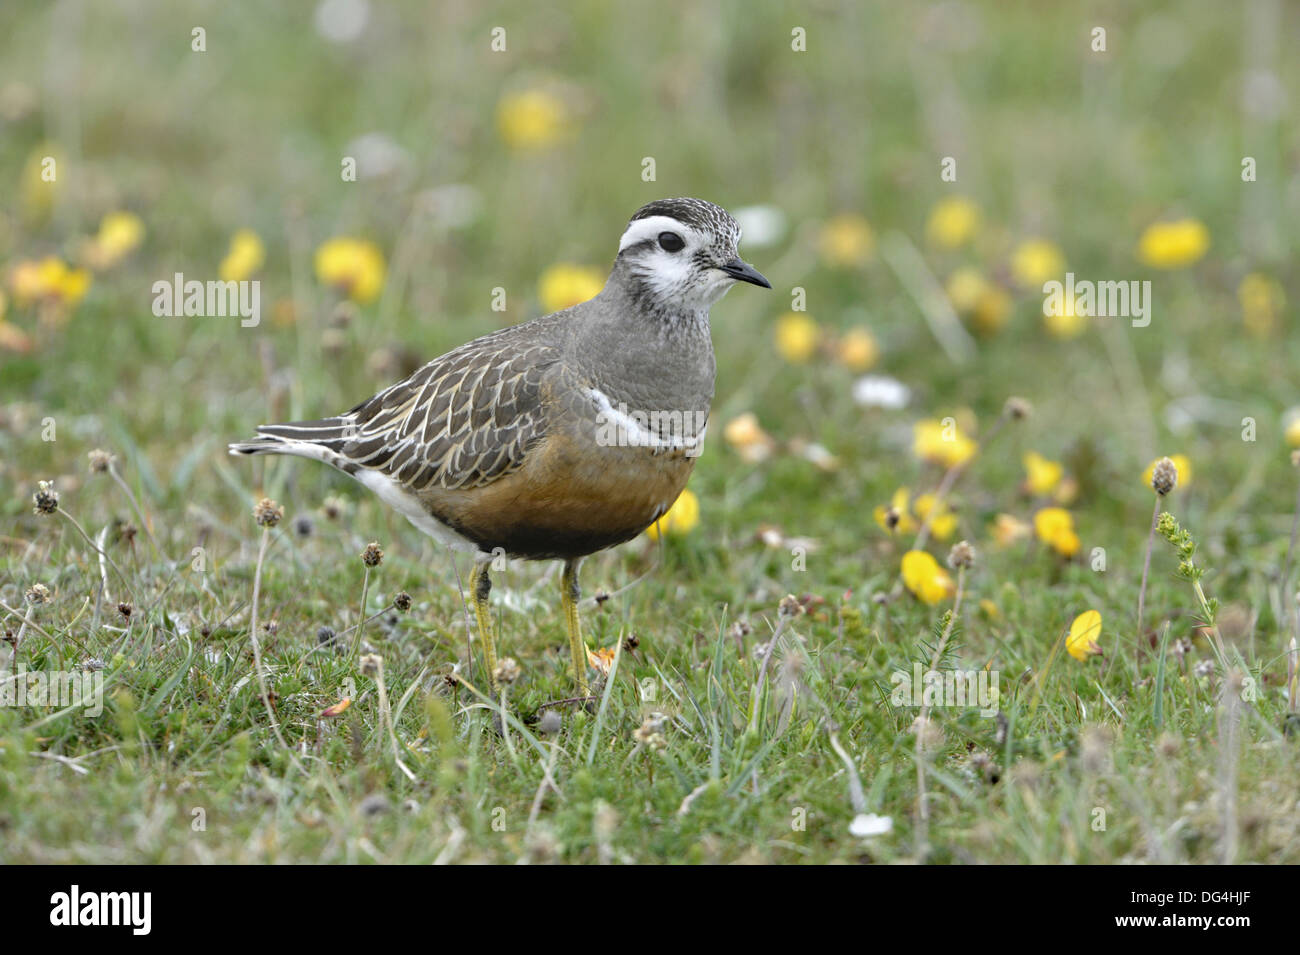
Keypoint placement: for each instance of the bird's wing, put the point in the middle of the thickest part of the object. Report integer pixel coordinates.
(463, 420)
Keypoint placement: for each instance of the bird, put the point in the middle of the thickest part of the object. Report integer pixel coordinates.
(558, 437)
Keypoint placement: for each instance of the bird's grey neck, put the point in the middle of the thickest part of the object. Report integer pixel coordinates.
(631, 294)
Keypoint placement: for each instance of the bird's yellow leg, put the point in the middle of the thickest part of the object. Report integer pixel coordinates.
(480, 587)
(569, 594)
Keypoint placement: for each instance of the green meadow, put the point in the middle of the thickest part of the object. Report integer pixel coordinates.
(399, 178)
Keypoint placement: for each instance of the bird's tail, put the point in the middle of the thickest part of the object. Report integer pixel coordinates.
(321, 440)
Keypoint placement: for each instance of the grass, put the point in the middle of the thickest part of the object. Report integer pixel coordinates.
(687, 756)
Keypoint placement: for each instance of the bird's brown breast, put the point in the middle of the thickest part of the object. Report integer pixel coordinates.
(570, 498)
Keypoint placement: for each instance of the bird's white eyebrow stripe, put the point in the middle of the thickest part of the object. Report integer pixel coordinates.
(649, 228)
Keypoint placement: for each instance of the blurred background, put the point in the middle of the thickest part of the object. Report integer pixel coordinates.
(504, 146)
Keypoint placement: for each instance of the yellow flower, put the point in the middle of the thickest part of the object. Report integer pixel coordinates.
(1084, 633)
(1172, 245)
(680, 519)
(25, 282)
(965, 288)
(1035, 261)
(991, 311)
(1068, 322)
(990, 610)
(531, 119)
(1181, 461)
(601, 660)
(567, 284)
(1042, 475)
(987, 304)
(952, 222)
(1292, 433)
(900, 504)
(49, 279)
(923, 576)
(1055, 527)
(846, 240)
(353, 266)
(747, 436)
(245, 257)
(120, 233)
(797, 336)
(1066, 491)
(942, 520)
(1261, 298)
(857, 349)
(1008, 529)
(940, 443)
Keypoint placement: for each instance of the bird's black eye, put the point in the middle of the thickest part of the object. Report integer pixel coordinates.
(671, 242)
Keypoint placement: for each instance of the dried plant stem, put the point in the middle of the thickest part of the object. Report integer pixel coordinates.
(95, 547)
(257, 648)
(1290, 549)
(386, 713)
(1146, 567)
(754, 702)
(1230, 712)
(1292, 659)
(374, 616)
(505, 727)
(361, 617)
(857, 795)
(922, 722)
(548, 781)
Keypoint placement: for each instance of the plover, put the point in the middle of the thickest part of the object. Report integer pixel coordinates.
(558, 437)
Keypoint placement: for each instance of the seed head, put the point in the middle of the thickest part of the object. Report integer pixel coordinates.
(46, 499)
(38, 594)
(334, 508)
(373, 555)
(789, 606)
(550, 723)
(125, 609)
(650, 733)
(1018, 409)
(961, 555)
(402, 601)
(100, 461)
(506, 671)
(1164, 476)
(370, 664)
(267, 513)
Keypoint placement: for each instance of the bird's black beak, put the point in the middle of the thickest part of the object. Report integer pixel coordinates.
(744, 272)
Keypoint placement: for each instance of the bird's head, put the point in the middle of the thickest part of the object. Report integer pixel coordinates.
(681, 254)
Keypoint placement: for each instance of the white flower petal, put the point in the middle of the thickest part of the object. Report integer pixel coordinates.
(868, 824)
(881, 391)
